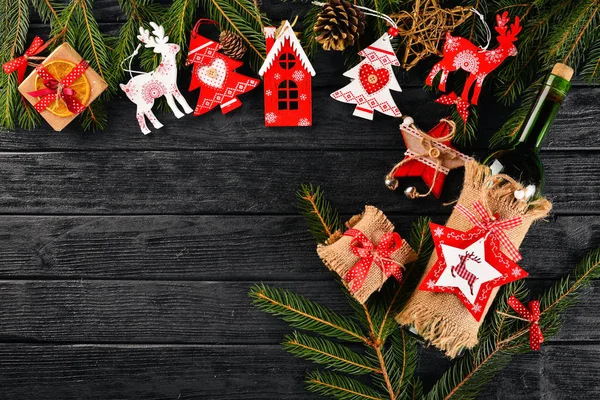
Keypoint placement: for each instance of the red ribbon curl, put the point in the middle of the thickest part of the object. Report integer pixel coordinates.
(55, 89)
(494, 226)
(462, 105)
(19, 64)
(531, 314)
(370, 253)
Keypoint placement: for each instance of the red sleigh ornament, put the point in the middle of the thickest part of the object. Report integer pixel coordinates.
(460, 53)
(214, 74)
(287, 75)
(428, 155)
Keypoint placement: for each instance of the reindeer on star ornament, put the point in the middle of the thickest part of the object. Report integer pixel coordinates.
(372, 80)
(214, 73)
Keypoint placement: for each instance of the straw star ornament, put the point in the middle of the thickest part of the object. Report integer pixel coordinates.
(425, 27)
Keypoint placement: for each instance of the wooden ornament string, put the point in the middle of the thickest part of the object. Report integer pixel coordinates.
(431, 151)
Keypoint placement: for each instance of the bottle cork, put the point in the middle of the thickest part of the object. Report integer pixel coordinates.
(563, 70)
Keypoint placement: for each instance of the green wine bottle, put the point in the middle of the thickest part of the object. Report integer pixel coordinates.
(521, 160)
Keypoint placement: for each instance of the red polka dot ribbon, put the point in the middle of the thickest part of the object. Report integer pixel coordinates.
(531, 314)
(495, 226)
(462, 105)
(370, 253)
(19, 64)
(55, 89)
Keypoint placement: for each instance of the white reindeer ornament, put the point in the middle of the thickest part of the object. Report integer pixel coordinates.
(148, 86)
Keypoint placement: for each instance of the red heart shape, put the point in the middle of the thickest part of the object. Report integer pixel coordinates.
(373, 80)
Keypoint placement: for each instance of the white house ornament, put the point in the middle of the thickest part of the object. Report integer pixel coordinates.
(149, 86)
(470, 264)
(214, 73)
(287, 75)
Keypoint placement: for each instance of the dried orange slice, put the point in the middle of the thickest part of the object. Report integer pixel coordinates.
(59, 69)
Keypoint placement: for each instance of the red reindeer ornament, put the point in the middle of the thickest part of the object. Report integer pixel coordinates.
(460, 53)
(214, 74)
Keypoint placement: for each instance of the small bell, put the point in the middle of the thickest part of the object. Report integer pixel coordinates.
(391, 183)
(411, 192)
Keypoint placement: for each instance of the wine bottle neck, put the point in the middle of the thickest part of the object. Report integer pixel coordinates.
(543, 111)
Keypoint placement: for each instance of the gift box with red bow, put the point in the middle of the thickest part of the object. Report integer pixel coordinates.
(367, 254)
(62, 86)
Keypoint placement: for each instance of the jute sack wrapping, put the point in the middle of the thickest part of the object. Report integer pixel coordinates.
(337, 255)
(441, 318)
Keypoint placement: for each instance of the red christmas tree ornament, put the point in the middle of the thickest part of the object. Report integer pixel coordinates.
(287, 75)
(214, 73)
(372, 80)
(428, 155)
(471, 264)
(478, 62)
(532, 314)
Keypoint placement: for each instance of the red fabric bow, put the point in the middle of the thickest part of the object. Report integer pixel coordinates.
(55, 89)
(380, 254)
(531, 314)
(494, 226)
(20, 63)
(462, 105)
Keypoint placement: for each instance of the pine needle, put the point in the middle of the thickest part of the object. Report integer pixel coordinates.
(322, 219)
(302, 313)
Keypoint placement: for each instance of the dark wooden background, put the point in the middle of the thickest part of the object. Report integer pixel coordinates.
(125, 260)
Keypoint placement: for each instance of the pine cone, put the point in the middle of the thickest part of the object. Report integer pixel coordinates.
(233, 46)
(339, 24)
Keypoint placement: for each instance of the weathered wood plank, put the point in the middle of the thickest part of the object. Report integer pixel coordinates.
(251, 372)
(224, 247)
(192, 312)
(243, 182)
(244, 128)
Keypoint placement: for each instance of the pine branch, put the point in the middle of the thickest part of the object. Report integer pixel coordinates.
(322, 219)
(591, 68)
(572, 36)
(401, 359)
(305, 314)
(325, 352)
(566, 291)
(48, 10)
(340, 387)
(139, 13)
(227, 14)
(15, 24)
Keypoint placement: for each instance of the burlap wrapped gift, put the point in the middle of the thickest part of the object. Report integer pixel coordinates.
(63, 52)
(441, 318)
(337, 254)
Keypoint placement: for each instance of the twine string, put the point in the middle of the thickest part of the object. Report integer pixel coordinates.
(130, 59)
(432, 151)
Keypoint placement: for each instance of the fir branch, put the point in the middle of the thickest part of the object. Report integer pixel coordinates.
(15, 24)
(401, 358)
(48, 10)
(322, 219)
(340, 387)
(565, 292)
(139, 13)
(573, 34)
(334, 355)
(302, 313)
(309, 42)
(591, 68)
(465, 132)
(227, 14)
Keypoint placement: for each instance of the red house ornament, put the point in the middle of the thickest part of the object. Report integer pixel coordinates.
(214, 73)
(287, 75)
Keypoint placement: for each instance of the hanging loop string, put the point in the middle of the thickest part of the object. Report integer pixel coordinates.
(130, 59)
(488, 32)
(432, 151)
(367, 11)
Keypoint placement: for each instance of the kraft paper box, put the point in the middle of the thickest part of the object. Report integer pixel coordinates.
(63, 52)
